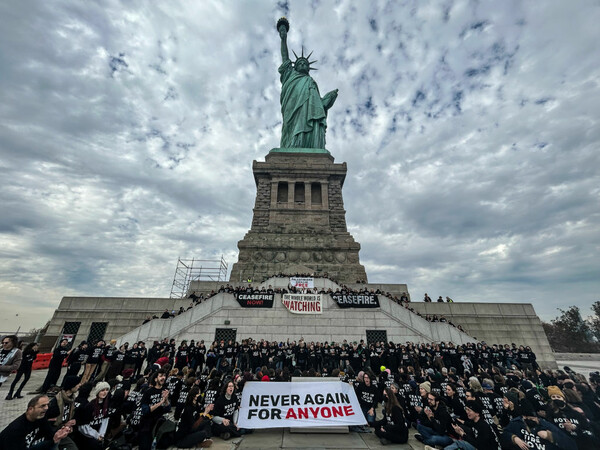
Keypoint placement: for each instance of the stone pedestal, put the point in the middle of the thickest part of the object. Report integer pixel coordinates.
(299, 220)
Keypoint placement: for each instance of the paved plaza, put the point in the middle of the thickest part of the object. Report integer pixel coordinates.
(272, 438)
(260, 439)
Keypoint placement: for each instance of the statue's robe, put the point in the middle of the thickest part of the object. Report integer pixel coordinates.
(304, 118)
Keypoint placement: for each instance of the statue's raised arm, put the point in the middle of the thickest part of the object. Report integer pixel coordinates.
(303, 110)
(283, 26)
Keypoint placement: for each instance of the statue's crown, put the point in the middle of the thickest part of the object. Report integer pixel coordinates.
(305, 58)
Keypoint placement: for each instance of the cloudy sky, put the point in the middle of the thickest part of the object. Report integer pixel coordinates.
(470, 129)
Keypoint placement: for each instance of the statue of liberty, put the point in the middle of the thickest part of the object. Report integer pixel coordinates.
(304, 111)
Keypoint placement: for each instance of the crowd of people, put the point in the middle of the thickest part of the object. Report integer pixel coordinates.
(427, 299)
(472, 396)
(402, 300)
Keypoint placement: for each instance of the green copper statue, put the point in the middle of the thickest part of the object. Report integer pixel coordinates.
(304, 111)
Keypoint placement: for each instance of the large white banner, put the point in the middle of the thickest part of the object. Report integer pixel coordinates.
(302, 282)
(303, 303)
(309, 404)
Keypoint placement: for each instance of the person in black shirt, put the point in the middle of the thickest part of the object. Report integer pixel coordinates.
(179, 398)
(573, 422)
(367, 396)
(61, 410)
(32, 430)
(254, 358)
(93, 418)
(29, 355)
(142, 354)
(76, 359)
(230, 352)
(211, 358)
(200, 356)
(392, 428)
(225, 407)
(95, 354)
(58, 356)
(476, 433)
(107, 358)
(434, 423)
(194, 428)
(156, 401)
(117, 364)
(131, 356)
(153, 353)
(456, 406)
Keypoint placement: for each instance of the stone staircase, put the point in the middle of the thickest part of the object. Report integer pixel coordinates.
(278, 324)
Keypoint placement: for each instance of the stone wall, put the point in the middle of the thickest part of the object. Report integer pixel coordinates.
(288, 231)
(337, 215)
(491, 322)
(122, 314)
(496, 323)
(278, 324)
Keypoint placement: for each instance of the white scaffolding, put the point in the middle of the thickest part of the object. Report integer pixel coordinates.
(189, 270)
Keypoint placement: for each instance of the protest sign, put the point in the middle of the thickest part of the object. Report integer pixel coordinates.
(303, 303)
(356, 300)
(255, 300)
(302, 282)
(299, 405)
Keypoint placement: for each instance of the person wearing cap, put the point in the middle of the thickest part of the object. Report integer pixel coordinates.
(538, 402)
(528, 431)
(61, 410)
(424, 390)
(575, 424)
(435, 423)
(511, 407)
(92, 421)
(492, 402)
(475, 433)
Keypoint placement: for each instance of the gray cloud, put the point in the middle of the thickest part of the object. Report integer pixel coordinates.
(127, 131)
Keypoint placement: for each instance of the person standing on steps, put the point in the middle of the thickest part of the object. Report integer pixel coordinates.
(29, 355)
(58, 357)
